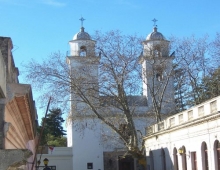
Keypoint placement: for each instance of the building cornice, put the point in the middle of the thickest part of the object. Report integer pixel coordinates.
(23, 112)
(191, 123)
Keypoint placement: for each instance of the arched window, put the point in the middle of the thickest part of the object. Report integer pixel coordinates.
(157, 51)
(163, 159)
(205, 162)
(175, 159)
(159, 74)
(217, 154)
(151, 161)
(82, 51)
(184, 163)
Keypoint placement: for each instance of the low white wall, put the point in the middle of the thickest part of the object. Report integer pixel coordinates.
(61, 157)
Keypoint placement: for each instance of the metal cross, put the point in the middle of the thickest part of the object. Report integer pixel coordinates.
(154, 20)
(82, 19)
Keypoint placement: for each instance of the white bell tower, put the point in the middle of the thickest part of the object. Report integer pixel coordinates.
(157, 71)
(83, 66)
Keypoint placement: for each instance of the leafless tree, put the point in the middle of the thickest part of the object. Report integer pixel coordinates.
(193, 61)
(113, 96)
(215, 51)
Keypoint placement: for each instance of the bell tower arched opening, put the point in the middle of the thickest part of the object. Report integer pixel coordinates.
(83, 51)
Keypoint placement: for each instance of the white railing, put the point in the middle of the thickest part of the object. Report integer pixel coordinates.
(209, 107)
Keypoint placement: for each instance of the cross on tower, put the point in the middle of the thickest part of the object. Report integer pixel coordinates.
(82, 19)
(154, 20)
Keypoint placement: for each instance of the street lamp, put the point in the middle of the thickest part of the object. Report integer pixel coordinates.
(181, 150)
(46, 163)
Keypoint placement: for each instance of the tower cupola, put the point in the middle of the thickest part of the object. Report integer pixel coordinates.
(155, 35)
(82, 35)
(82, 45)
(156, 45)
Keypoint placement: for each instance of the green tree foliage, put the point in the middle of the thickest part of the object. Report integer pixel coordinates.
(210, 85)
(180, 89)
(53, 133)
(56, 141)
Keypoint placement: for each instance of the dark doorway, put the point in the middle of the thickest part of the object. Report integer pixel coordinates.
(163, 159)
(205, 156)
(126, 163)
(194, 161)
(175, 159)
(217, 154)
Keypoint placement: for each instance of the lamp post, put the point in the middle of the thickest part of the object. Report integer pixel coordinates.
(46, 163)
(38, 164)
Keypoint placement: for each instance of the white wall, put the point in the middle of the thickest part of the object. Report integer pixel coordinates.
(61, 157)
(87, 147)
(190, 132)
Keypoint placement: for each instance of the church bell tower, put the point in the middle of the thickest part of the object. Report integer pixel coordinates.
(83, 69)
(157, 70)
(83, 64)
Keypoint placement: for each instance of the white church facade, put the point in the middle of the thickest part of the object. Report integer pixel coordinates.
(85, 133)
(183, 141)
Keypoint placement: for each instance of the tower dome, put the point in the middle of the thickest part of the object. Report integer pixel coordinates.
(82, 35)
(155, 35)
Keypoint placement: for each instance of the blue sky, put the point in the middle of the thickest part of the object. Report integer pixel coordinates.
(40, 27)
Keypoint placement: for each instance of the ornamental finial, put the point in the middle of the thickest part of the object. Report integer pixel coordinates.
(82, 19)
(154, 20)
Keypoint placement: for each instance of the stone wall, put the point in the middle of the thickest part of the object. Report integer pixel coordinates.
(2, 77)
(11, 71)
(2, 98)
(11, 159)
(17, 109)
(2, 110)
